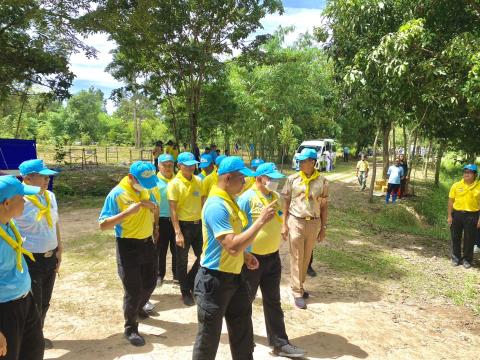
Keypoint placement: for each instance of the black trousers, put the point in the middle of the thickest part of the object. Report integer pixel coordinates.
(464, 223)
(268, 276)
(167, 239)
(43, 275)
(137, 267)
(192, 234)
(218, 295)
(20, 324)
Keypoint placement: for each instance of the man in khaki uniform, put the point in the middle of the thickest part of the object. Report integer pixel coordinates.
(304, 219)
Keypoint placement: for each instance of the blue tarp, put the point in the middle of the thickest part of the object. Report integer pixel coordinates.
(14, 151)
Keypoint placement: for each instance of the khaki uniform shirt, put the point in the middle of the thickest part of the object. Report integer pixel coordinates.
(294, 191)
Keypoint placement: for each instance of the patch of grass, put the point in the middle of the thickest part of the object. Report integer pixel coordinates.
(363, 261)
(466, 292)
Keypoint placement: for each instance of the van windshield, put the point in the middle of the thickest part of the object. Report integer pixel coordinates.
(316, 148)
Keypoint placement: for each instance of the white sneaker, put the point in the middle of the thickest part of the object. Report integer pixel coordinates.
(476, 249)
(148, 307)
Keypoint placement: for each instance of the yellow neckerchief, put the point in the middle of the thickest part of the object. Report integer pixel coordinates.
(186, 182)
(265, 201)
(167, 180)
(306, 180)
(216, 191)
(134, 194)
(16, 244)
(43, 210)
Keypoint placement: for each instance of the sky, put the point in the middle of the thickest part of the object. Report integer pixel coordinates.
(304, 15)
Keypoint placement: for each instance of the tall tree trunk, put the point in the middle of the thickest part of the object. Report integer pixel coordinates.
(174, 117)
(374, 167)
(386, 135)
(135, 122)
(413, 154)
(405, 140)
(438, 163)
(24, 100)
(427, 159)
(394, 146)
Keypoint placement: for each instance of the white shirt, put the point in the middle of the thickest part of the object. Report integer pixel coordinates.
(39, 237)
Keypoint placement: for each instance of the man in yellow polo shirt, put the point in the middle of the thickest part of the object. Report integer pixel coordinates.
(265, 249)
(463, 215)
(220, 290)
(212, 178)
(362, 172)
(130, 209)
(185, 196)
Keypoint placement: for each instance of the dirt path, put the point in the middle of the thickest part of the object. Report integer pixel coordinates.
(347, 322)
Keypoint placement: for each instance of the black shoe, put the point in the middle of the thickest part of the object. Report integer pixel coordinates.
(455, 263)
(48, 344)
(311, 272)
(289, 351)
(466, 265)
(306, 294)
(300, 303)
(142, 314)
(135, 338)
(188, 299)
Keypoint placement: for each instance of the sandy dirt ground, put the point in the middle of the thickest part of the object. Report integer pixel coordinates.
(356, 322)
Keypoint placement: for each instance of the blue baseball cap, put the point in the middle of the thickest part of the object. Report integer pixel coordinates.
(257, 162)
(307, 153)
(219, 159)
(233, 164)
(205, 161)
(165, 157)
(35, 166)
(269, 169)
(145, 174)
(471, 167)
(11, 186)
(187, 159)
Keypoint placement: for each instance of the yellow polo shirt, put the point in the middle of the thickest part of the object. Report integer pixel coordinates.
(465, 197)
(208, 182)
(362, 165)
(188, 196)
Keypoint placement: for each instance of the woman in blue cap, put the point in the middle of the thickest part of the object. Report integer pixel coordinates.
(21, 335)
(463, 215)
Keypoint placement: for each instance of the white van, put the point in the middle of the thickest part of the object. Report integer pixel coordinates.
(320, 146)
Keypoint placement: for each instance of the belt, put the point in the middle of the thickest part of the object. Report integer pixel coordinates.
(195, 222)
(307, 218)
(136, 240)
(466, 212)
(265, 255)
(47, 254)
(165, 218)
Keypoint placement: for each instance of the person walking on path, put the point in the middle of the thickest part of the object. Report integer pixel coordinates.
(346, 152)
(185, 196)
(395, 175)
(304, 219)
(403, 181)
(265, 248)
(220, 290)
(166, 237)
(21, 336)
(39, 224)
(211, 179)
(362, 172)
(463, 216)
(130, 209)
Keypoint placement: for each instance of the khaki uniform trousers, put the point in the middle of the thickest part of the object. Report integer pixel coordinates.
(302, 236)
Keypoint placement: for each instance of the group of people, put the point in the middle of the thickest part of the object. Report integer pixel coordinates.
(234, 219)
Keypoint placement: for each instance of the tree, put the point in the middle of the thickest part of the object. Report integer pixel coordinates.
(179, 42)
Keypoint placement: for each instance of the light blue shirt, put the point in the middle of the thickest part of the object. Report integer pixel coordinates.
(13, 283)
(39, 237)
(395, 173)
(164, 204)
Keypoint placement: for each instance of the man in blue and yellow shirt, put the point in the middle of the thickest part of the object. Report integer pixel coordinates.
(185, 198)
(220, 290)
(463, 215)
(131, 210)
(211, 179)
(265, 249)
(21, 335)
(207, 165)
